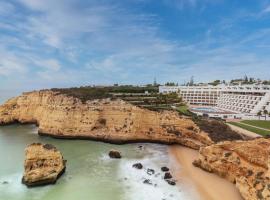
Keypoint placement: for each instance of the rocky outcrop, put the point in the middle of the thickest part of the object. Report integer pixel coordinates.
(137, 165)
(43, 165)
(115, 154)
(114, 121)
(245, 163)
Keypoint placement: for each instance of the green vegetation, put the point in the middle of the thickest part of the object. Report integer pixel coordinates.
(153, 101)
(171, 84)
(98, 92)
(258, 123)
(183, 110)
(147, 97)
(217, 82)
(252, 129)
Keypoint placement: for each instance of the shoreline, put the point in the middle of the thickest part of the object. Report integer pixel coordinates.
(208, 186)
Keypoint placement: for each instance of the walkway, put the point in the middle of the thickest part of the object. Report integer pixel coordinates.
(243, 131)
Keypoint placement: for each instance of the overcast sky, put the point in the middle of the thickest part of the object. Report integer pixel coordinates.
(61, 43)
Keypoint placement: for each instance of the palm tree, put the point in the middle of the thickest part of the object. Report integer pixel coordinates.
(259, 114)
(265, 112)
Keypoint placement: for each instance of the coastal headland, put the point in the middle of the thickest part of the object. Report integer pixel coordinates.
(114, 120)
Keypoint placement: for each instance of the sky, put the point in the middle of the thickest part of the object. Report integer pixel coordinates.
(63, 43)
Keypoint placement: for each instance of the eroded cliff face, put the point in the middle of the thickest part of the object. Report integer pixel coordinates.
(43, 165)
(107, 120)
(245, 163)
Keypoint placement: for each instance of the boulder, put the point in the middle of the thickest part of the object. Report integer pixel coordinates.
(137, 166)
(115, 154)
(171, 182)
(165, 169)
(147, 181)
(150, 171)
(43, 164)
(167, 175)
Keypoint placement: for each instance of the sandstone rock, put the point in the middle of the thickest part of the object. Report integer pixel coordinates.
(245, 163)
(43, 165)
(137, 166)
(165, 169)
(115, 154)
(107, 120)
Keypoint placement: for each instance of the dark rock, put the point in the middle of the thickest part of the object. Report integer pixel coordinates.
(165, 169)
(5, 182)
(150, 171)
(115, 154)
(197, 163)
(49, 146)
(170, 182)
(228, 154)
(147, 181)
(249, 173)
(167, 175)
(137, 166)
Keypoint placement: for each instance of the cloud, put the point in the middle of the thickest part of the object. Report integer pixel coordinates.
(180, 4)
(6, 8)
(10, 64)
(66, 42)
(266, 9)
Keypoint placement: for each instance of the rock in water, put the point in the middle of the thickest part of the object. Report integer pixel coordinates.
(115, 154)
(167, 175)
(43, 164)
(165, 169)
(138, 165)
(150, 171)
(170, 182)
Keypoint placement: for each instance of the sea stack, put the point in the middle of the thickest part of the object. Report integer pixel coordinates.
(43, 165)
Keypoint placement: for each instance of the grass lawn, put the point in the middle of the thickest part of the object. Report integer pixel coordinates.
(252, 129)
(184, 110)
(258, 123)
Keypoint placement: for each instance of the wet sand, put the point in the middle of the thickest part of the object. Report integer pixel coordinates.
(209, 186)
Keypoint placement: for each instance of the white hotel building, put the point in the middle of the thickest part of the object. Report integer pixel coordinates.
(226, 101)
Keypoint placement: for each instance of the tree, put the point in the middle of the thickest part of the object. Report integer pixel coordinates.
(259, 114)
(170, 84)
(191, 82)
(245, 79)
(155, 82)
(265, 112)
(215, 83)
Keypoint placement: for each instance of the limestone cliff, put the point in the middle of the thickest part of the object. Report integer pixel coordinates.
(245, 163)
(107, 120)
(43, 164)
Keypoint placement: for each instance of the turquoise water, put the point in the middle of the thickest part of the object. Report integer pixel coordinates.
(205, 109)
(90, 173)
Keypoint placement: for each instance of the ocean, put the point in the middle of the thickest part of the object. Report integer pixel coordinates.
(90, 173)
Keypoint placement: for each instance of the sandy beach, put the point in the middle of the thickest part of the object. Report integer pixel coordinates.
(209, 186)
